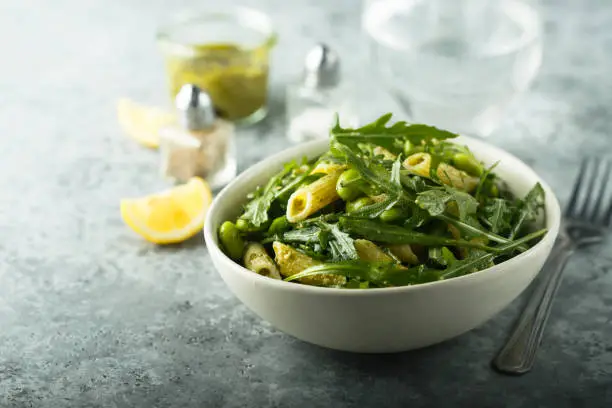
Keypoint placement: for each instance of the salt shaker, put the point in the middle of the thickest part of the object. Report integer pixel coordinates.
(313, 101)
(200, 144)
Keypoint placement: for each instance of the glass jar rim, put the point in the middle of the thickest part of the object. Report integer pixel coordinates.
(240, 15)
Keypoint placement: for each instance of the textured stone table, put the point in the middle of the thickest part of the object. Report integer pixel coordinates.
(91, 316)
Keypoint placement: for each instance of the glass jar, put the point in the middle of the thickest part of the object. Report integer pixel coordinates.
(226, 53)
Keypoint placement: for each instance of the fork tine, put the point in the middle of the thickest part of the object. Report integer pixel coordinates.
(607, 217)
(572, 206)
(592, 177)
(601, 193)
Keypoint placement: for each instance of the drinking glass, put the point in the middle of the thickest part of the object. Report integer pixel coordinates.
(456, 64)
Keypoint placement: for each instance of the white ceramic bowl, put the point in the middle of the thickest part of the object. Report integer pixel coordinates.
(387, 319)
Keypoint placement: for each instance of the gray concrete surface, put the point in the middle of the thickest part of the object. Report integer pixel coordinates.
(92, 316)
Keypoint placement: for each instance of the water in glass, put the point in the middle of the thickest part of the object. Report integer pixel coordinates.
(457, 64)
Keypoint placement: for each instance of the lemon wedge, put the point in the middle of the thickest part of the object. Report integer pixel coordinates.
(142, 123)
(171, 216)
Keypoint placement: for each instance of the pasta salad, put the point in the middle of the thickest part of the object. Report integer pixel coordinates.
(387, 205)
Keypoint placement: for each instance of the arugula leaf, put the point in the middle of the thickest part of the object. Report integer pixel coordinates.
(391, 137)
(326, 236)
(412, 182)
(415, 275)
(484, 177)
(374, 210)
(436, 159)
(418, 218)
(531, 206)
(343, 246)
(375, 175)
(386, 274)
(466, 204)
(308, 235)
(499, 214)
(381, 274)
(324, 240)
(441, 256)
(393, 234)
(433, 201)
(395, 171)
(469, 265)
(325, 218)
(467, 228)
(278, 187)
(481, 260)
(305, 178)
(256, 211)
(436, 201)
(358, 270)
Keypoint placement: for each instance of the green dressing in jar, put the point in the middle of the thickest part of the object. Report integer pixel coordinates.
(225, 54)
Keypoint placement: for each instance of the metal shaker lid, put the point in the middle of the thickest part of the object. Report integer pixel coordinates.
(321, 67)
(195, 108)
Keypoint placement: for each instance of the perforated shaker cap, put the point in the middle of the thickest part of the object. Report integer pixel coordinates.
(321, 67)
(195, 108)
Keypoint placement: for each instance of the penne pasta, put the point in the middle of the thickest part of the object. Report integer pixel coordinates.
(309, 199)
(302, 169)
(454, 231)
(451, 176)
(456, 234)
(257, 260)
(379, 198)
(420, 164)
(326, 168)
(369, 251)
(290, 261)
(404, 253)
(381, 151)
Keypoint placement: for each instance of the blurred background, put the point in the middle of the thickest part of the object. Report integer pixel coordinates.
(530, 76)
(67, 65)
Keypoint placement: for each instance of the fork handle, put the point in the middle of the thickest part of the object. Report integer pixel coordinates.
(518, 355)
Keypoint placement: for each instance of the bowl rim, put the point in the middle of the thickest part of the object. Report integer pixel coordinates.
(552, 206)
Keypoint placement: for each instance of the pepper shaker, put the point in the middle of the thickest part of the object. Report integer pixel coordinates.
(313, 101)
(200, 144)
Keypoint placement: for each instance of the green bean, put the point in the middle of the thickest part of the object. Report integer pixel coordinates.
(411, 148)
(392, 215)
(345, 187)
(408, 145)
(494, 190)
(467, 163)
(279, 225)
(243, 225)
(355, 205)
(231, 240)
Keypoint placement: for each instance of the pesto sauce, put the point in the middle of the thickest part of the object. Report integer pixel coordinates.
(235, 78)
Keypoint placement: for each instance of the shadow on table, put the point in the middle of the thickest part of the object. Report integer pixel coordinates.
(386, 365)
(197, 241)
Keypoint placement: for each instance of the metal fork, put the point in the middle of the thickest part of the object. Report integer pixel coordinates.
(585, 222)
